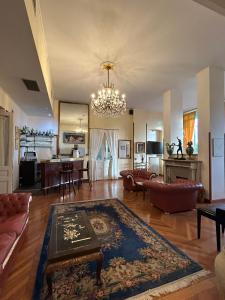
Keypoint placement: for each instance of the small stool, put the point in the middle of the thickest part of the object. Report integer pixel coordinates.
(66, 176)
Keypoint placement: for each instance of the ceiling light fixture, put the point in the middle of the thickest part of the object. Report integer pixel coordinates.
(108, 102)
(80, 129)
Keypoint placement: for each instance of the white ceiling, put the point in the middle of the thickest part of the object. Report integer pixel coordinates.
(19, 59)
(156, 44)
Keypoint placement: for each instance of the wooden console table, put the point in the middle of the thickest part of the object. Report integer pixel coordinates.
(177, 168)
(50, 172)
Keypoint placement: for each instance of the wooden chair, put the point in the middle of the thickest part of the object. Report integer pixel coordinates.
(220, 221)
(81, 179)
(66, 177)
(215, 213)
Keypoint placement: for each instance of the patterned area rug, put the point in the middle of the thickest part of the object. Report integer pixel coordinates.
(138, 262)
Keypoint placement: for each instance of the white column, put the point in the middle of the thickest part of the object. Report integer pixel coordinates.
(210, 88)
(172, 116)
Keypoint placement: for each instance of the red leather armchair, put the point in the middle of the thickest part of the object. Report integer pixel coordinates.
(174, 197)
(14, 213)
(131, 177)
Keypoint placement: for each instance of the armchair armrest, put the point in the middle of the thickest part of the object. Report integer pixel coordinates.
(153, 175)
(23, 201)
(131, 177)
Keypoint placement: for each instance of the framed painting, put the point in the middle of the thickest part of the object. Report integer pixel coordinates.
(124, 149)
(218, 147)
(73, 138)
(140, 147)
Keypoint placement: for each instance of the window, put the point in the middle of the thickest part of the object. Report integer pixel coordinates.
(104, 152)
(190, 125)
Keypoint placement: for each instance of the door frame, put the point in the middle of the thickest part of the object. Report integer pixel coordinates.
(8, 169)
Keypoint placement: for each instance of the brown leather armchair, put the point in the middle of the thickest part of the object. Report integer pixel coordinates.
(133, 179)
(14, 215)
(174, 197)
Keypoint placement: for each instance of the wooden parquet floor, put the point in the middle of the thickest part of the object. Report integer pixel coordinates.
(180, 229)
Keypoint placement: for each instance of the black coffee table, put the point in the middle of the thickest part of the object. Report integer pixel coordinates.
(72, 241)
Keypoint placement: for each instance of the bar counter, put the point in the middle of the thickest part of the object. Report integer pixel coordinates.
(50, 171)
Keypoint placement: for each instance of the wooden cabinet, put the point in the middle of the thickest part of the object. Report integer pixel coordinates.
(28, 173)
(50, 172)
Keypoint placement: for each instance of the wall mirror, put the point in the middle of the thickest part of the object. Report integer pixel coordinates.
(73, 129)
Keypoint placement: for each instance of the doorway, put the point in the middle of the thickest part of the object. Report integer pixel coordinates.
(104, 161)
(103, 154)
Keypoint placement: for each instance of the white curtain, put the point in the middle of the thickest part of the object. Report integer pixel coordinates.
(96, 138)
(112, 139)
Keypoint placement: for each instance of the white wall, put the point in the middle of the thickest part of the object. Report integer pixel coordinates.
(19, 119)
(210, 83)
(42, 123)
(172, 116)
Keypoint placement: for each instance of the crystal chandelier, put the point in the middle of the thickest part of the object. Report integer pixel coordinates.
(108, 102)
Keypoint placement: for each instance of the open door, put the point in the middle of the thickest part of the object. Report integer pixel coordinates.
(5, 152)
(103, 161)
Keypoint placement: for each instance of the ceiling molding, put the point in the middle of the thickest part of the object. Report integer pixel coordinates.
(215, 5)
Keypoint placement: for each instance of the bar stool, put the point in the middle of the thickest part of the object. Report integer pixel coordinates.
(81, 179)
(66, 177)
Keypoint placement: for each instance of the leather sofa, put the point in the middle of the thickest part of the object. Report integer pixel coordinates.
(174, 197)
(14, 214)
(132, 177)
(201, 192)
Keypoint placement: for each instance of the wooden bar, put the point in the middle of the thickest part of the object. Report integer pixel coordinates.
(50, 172)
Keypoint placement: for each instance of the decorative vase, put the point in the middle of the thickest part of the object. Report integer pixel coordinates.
(169, 149)
(189, 149)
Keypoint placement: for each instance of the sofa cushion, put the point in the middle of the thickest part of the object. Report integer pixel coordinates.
(139, 179)
(14, 223)
(6, 242)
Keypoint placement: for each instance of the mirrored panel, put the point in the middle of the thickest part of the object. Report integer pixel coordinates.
(73, 129)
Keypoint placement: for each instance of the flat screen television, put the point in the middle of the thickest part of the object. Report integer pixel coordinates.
(154, 147)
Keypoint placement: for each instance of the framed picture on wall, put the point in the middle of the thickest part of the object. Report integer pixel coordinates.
(140, 147)
(73, 138)
(124, 149)
(218, 147)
